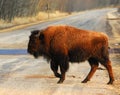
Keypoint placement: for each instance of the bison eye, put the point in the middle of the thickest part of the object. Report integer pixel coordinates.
(41, 37)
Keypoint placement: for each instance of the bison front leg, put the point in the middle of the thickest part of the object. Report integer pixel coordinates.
(64, 65)
(54, 67)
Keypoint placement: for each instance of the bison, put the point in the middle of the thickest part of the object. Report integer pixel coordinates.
(63, 44)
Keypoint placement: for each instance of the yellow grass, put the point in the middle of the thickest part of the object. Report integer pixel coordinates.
(4, 24)
(25, 20)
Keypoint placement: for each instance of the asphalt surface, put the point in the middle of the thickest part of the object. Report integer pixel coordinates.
(24, 75)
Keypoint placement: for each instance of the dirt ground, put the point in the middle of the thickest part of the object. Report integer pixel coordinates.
(24, 75)
(116, 68)
(114, 22)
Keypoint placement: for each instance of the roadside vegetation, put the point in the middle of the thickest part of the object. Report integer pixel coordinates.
(25, 20)
(17, 12)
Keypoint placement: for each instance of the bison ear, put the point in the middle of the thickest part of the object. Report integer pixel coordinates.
(41, 37)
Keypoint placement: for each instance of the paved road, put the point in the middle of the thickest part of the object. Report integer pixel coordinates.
(24, 75)
(91, 20)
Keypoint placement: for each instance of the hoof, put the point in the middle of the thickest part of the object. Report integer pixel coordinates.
(60, 81)
(110, 82)
(85, 81)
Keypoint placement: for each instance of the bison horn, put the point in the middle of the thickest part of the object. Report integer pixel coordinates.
(35, 32)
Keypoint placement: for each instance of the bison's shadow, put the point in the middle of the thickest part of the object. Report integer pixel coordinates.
(45, 76)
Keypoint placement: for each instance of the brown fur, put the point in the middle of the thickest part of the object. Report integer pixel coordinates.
(64, 44)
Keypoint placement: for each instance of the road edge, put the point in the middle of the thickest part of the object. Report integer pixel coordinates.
(114, 22)
(16, 27)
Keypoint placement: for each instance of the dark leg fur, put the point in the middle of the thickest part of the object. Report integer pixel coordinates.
(107, 63)
(94, 65)
(54, 67)
(108, 66)
(64, 65)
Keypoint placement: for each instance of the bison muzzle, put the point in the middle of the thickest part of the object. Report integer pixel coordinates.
(63, 44)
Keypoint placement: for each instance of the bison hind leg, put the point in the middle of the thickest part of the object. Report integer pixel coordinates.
(107, 65)
(94, 65)
(105, 61)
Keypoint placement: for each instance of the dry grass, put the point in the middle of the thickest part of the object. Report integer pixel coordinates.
(4, 24)
(25, 20)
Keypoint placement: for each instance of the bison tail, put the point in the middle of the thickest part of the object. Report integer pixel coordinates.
(105, 53)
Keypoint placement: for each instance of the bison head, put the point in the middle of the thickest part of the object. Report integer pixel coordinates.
(35, 43)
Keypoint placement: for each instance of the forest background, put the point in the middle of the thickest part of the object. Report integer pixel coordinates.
(15, 12)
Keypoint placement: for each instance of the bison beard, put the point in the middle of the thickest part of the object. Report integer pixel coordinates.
(64, 44)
